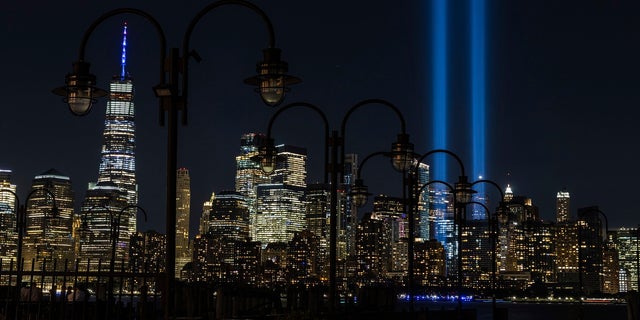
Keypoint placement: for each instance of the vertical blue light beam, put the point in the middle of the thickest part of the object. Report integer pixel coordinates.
(478, 93)
(439, 83)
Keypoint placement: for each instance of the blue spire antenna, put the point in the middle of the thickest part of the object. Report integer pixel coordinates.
(123, 61)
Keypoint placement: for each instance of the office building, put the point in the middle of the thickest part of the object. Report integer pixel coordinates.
(280, 204)
(249, 174)
(8, 234)
(101, 214)
(147, 252)
(183, 214)
(229, 216)
(424, 219)
(628, 248)
(562, 206)
(117, 159)
(317, 200)
(48, 232)
(591, 240)
(348, 211)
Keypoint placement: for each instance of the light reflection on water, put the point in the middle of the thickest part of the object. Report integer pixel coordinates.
(534, 311)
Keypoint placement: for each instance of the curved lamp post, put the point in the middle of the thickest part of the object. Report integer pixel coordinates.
(21, 225)
(80, 93)
(402, 152)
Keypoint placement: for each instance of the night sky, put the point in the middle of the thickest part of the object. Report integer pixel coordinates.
(563, 91)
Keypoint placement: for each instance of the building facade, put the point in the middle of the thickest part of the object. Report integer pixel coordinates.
(48, 231)
(183, 215)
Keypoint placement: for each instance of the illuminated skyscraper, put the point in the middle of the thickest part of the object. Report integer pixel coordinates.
(349, 215)
(147, 251)
(249, 174)
(566, 244)
(203, 227)
(280, 204)
(592, 248)
(441, 211)
(372, 245)
(183, 212)
(425, 221)
(562, 206)
(291, 168)
(566, 241)
(390, 211)
(8, 234)
(628, 245)
(101, 214)
(317, 199)
(116, 187)
(48, 232)
(229, 216)
(118, 161)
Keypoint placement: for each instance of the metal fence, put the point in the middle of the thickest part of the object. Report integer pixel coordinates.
(48, 289)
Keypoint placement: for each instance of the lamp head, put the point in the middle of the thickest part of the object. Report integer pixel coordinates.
(80, 92)
(402, 153)
(359, 193)
(272, 80)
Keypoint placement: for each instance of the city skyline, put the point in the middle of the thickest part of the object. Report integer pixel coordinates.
(561, 80)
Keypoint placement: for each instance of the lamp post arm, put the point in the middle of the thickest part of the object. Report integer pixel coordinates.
(373, 101)
(186, 51)
(217, 4)
(105, 16)
(137, 207)
(606, 220)
(22, 220)
(326, 129)
(436, 181)
(424, 156)
(377, 153)
(363, 103)
(480, 204)
(16, 200)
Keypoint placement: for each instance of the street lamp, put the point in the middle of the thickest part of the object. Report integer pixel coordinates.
(402, 151)
(80, 93)
(21, 226)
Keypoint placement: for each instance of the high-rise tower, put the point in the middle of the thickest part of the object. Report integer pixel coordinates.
(116, 187)
(424, 219)
(562, 206)
(49, 232)
(8, 234)
(183, 212)
(280, 206)
(249, 174)
(118, 161)
(348, 221)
